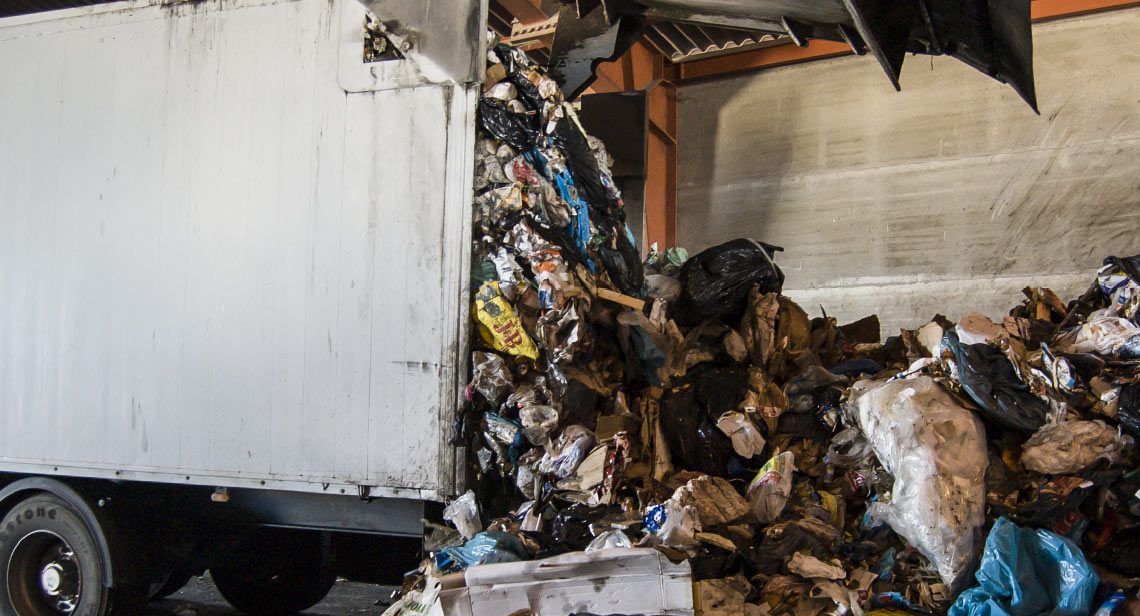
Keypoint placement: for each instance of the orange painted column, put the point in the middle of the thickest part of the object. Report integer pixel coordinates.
(643, 68)
(661, 166)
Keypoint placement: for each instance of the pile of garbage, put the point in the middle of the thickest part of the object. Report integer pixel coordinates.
(797, 465)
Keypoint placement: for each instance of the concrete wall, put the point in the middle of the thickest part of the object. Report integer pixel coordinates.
(950, 196)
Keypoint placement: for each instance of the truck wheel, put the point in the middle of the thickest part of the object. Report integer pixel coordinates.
(52, 561)
(282, 575)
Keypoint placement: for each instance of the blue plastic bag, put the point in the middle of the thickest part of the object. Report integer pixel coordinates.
(1027, 572)
(487, 547)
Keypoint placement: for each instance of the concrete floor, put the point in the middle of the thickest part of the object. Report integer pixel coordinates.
(200, 598)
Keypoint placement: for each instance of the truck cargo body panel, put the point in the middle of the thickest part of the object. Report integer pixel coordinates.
(230, 253)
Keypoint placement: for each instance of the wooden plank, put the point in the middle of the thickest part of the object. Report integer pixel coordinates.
(618, 298)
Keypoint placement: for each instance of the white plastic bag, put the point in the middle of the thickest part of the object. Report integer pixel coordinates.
(681, 526)
(746, 438)
(936, 451)
(463, 512)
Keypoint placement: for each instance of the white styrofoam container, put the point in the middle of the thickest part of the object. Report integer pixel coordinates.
(611, 581)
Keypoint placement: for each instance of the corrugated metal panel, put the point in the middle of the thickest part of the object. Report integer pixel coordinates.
(247, 276)
(681, 42)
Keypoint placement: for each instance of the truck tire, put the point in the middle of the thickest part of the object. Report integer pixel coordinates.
(52, 560)
(278, 574)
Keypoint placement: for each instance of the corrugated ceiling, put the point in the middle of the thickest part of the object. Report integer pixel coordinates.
(680, 42)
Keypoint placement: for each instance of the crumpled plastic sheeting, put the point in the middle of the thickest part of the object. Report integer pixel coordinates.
(519, 130)
(1027, 572)
(936, 451)
(672, 523)
(1107, 336)
(771, 487)
(1072, 446)
(490, 375)
(572, 448)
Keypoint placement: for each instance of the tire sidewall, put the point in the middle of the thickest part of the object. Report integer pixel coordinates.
(49, 513)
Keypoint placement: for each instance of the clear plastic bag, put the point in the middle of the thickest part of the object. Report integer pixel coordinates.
(538, 421)
(463, 512)
(490, 376)
(936, 451)
(609, 539)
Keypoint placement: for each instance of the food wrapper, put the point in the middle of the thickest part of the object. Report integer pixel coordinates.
(769, 490)
(500, 325)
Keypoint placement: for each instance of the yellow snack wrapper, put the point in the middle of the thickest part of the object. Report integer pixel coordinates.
(499, 325)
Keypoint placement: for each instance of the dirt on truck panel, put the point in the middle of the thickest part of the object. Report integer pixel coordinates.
(674, 436)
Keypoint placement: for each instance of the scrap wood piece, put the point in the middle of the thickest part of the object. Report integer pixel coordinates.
(618, 298)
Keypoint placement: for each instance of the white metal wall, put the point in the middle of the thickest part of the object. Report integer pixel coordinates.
(215, 263)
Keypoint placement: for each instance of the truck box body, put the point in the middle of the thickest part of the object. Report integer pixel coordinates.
(231, 253)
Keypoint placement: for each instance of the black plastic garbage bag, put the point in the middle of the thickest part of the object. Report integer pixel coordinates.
(990, 380)
(1119, 555)
(779, 543)
(716, 282)
(1052, 500)
(528, 92)
(713, 563)
(518, 130)
(571, 526)
(618, 254)
(690, 410)
(583, 167)
(1128, 407)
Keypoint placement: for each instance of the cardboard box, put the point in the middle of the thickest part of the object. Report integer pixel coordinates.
(615, 581)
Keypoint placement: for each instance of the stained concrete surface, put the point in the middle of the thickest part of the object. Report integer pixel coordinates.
(200, 598)
(949, 196)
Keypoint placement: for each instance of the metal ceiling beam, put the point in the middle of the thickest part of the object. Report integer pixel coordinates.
(526, 11)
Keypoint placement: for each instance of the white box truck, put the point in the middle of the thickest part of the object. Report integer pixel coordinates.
(232, 263)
